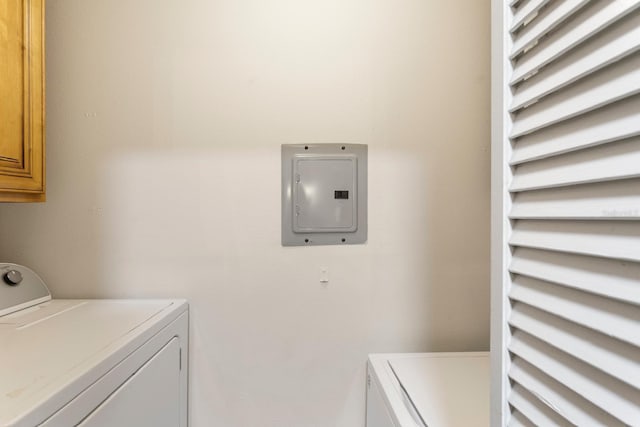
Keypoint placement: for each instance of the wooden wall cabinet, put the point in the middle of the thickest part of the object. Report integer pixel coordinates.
(22, 96)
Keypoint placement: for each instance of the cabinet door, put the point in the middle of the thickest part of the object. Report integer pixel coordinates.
(22, 176)
(150, 398)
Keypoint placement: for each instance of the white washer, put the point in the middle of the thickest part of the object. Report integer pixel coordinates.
(89, 363)
(428, 390)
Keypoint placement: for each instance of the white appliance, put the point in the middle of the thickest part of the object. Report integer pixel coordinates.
(89, 363)
(428, 390)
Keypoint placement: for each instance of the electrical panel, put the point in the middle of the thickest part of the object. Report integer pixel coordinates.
(324, 194)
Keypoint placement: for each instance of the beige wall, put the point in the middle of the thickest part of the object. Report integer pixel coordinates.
(165, 120)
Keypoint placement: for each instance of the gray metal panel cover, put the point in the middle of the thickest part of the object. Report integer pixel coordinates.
(324, 194)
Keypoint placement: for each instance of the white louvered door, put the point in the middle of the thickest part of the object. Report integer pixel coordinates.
(566, 213)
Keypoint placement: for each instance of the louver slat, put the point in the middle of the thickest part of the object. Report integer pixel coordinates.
(602, 276)
(609, 317)
(614, 397)
(553, 16)
(614, 44)
(534, 410)
(609, 239)
(609, 200)
(599, 15)
(604, 87)
(526, 13)
(519, 420)
(616, 358)
(606, 162)
(618, 121)
(574, 408)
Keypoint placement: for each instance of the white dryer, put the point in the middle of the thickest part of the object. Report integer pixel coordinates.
(89, 363)
(428, 390)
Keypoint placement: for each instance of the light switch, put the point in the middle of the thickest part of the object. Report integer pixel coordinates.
(324, 275)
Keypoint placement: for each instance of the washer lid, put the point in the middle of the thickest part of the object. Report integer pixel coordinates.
(446, 389)
(62, 344)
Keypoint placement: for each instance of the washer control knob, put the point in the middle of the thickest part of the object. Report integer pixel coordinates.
(13, 277)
